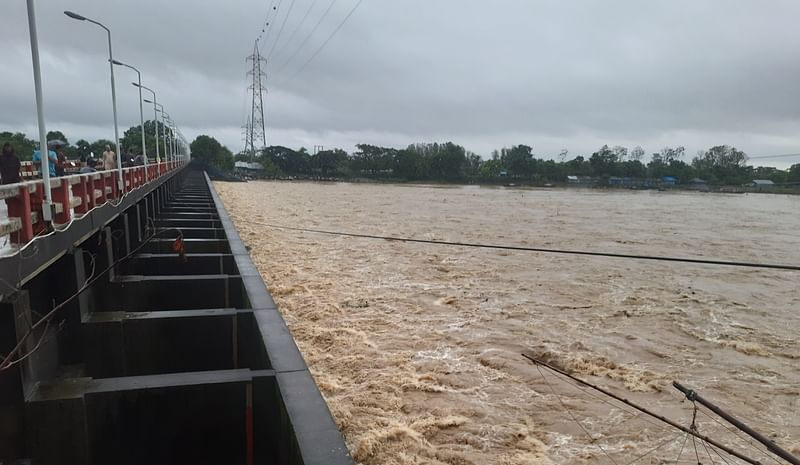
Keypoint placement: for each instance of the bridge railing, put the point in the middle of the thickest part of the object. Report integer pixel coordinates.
(73, 196)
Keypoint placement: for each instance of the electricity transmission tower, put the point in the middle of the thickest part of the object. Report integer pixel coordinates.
(255, 134)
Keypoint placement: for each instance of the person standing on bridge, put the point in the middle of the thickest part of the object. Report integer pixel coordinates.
(9, 165)
(52, 160)
(61, 161)
(109, 159)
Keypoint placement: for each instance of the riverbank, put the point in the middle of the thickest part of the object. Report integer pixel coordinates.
(719, 189)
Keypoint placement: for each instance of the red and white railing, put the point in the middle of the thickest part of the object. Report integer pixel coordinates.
(72, 196)
(30, 170)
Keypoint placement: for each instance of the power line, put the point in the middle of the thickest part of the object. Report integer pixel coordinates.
(269, 31)
(302, 21)
(326, 41)
(266, 22)
(698, 261)
(283, 25)
(764, 157)
(308, 37)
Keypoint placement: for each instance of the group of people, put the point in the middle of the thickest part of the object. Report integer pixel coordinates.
(57, 162)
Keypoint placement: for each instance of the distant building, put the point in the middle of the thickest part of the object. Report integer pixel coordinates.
(244, 167)
(697, 183)
(762, 184)
(669, 181)
(581, 180)
(614, 181)
(633, 183)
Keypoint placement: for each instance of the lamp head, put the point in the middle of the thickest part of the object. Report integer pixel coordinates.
(75, 16)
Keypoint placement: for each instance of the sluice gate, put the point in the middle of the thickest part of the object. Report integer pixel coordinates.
(165, 346)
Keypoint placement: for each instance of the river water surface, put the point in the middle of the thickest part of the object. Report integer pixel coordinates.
(417, 348)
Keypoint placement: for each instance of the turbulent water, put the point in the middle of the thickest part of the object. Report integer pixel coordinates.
(416, 347)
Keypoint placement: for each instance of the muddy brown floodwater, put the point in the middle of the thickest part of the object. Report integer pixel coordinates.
(416, 348)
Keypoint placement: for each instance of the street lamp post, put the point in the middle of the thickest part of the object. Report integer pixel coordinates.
(37, 81)
(155, 115)
(173, 137)
(165, 117)
(163, 129)
(141, 111)
(113, 92)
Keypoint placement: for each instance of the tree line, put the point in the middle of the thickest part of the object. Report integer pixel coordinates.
(449, 162)
(130, 142)
(719, 165)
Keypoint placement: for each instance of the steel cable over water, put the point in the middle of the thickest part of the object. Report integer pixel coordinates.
(691, 431)
(698, 261)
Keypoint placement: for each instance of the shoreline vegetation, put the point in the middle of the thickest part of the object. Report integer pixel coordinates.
(720, 189)
(720, 168)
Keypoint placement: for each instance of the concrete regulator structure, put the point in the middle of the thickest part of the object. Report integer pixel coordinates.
(165, 345)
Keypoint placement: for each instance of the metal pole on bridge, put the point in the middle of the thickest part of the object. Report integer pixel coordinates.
(171, 134)
(47, 210)
(141, 112)
(155, 115)
(163, 129)
(113, 93)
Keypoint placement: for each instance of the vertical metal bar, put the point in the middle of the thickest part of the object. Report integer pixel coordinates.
(141, 119)
(114, 105)
(774, 448)
(248, 423)
(37, 82)
(155, 114)
(235, 337)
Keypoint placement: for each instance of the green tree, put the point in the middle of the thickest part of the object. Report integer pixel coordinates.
(80, 149)
(637, 153)
(97, 147)
(794, 173)
(604, 162)
(409, 164)
(724, 164)
(447, 162)
(773, 174)
(472, 164)
(670, 154)
(23, 146)
(132, 139)
(490, 169)
(373, 160)
(287, 161)
(518, 160)
(53, 135)
(208, 150)
(578, 166)
(620, 152)
(329, 162)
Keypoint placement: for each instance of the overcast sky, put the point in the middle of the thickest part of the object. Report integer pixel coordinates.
(570, 74)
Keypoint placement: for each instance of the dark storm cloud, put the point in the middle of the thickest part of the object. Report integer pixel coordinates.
(571, 74)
